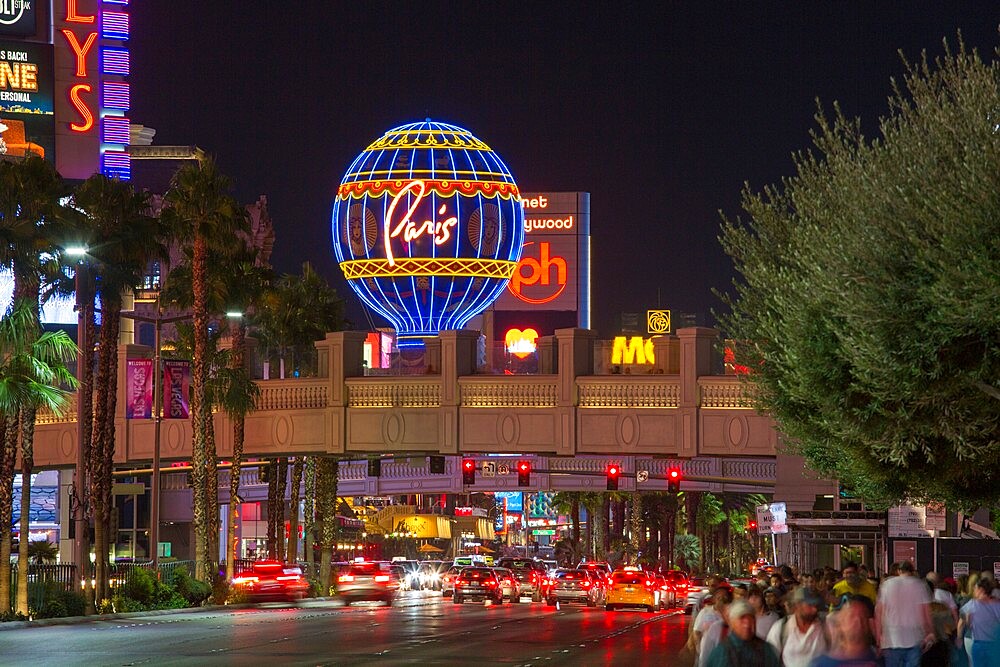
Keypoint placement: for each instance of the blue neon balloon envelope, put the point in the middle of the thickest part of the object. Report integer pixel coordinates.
(428, 228)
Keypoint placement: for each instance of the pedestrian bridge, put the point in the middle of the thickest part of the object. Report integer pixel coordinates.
(572, 421)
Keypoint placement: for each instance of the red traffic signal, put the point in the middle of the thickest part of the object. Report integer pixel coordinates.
(752, 526)
(674, 480)
(523, 473)
(613, 473)
(468, 471)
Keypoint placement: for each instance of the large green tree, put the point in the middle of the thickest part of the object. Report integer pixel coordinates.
(867, 306)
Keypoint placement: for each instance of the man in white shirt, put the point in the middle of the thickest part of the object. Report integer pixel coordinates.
(800, 638)
(903, 625)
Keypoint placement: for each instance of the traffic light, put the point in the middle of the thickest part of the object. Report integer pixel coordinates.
(468, 471)
(524, 473)
(674, 480)
(374, 467)
(436, 465)
(752, 527)
(614, 472)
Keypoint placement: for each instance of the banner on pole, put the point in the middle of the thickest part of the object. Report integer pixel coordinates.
(139, 389)
(176, 389)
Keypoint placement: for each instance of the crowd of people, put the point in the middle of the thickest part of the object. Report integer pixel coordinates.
(849, 618)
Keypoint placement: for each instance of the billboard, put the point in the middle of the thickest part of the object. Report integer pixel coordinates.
(554, 271)
(27, 111)
(17, 17)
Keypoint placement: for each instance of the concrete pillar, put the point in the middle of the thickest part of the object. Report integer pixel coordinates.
(432, 355)
(459, 348)
(341, 355)
(667, 350)
(547, 362)
(696, 349)
(575, 353)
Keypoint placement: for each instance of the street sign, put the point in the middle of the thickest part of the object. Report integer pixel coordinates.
(543, 531)
(958, 569)
(503, 469)
(642, 476)
(772, 519)
(489, 469)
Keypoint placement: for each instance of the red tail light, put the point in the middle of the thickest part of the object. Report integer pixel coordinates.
(345, 578)
(288, 577)
(585, 584)
(490, 582)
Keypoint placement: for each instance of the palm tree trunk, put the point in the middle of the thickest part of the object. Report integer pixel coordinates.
(574, 513)
(85, 396)
(606, 522)
(309, 510)
(103, 440)
(239, 434)
(293, 509)
(212, 495)
(635, 524)
(272, 508)
(326, 489)
(27, 463)
(7, 456)
(282, 487)
(200, 409)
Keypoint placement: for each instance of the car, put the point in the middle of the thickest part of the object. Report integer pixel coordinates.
(697, 589)
(430, 574)
(368, 580)
(575, 586)
(602, 568)
(530, 575)
(477, 583)
(272, 580)
(679, 582)
(667, 595)
(412, 569)
(449, 578)
(509, 583)
(631, 588)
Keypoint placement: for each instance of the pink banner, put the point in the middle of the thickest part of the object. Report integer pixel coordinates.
(139, 389)
(176, 389)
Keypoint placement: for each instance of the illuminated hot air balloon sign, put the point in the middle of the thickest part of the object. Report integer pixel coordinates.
(428, 228)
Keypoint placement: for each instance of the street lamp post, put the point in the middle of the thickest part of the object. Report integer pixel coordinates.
(154, 486)
(84, 302)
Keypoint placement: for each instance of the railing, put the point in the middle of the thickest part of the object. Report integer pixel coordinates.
(43, 579)
(292, 394)
(529, 391)
(717, 392)
(46, 416)
(629, 391)
(396, 392)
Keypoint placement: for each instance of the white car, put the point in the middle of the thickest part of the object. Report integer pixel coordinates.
(448, 580)
(697, 590)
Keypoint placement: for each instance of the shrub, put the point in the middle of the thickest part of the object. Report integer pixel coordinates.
(140, 586)
(12, 615)
(192, 590)
(62, 603)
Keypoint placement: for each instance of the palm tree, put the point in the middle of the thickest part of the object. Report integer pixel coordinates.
(327, 473)
(299, 311)
(293, 524)
(687, 551)
(205, 218)
(710, 515)
(32, 375)
(122, 237)
(569, 501)
(31, 215)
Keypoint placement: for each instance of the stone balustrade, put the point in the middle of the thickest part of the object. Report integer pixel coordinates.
(629, 391)
(394, 392)
(517, 391)
(292, 394)
(726, 392)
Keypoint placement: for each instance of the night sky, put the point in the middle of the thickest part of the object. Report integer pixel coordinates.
(661, 113)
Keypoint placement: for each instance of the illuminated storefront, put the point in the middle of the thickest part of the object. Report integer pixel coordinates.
(428, 228)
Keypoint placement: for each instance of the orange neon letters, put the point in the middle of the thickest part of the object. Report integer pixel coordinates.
(81, 106)
(73, 17)
(80, 51)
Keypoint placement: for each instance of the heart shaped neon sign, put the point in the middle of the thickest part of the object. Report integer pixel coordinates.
(521, 343)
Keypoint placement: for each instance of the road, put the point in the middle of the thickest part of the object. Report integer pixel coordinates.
(420, 629)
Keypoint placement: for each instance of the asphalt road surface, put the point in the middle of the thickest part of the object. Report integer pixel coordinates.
(420, 629)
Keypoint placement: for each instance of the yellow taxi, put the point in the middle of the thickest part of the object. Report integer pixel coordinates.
(631, 587)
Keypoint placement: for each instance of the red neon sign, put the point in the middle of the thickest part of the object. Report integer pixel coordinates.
(79, 92)
(546, 270)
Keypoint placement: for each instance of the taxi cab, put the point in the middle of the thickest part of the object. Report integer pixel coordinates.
(631, 588)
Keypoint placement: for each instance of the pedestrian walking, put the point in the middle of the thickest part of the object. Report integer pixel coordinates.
(740, 646)
(903, 624)
(800, 637)
(980, 617)
(850, 637)
(765, 617)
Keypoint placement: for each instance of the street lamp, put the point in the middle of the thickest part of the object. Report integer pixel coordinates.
(84, 302)
(154, 487)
